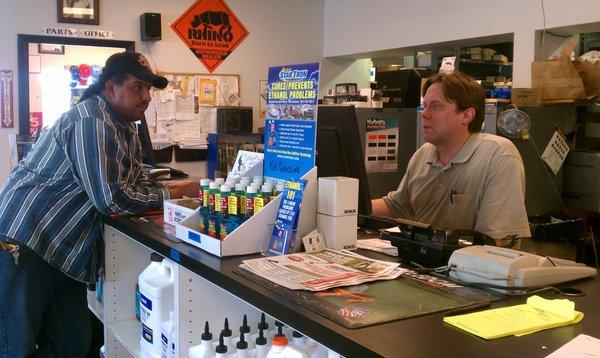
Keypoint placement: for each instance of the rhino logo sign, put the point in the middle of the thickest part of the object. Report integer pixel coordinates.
(211, 31)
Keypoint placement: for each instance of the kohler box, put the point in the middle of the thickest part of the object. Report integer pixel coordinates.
(339, 231)
(338, 196)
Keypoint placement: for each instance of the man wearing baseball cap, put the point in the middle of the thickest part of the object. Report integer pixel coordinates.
(85, 167)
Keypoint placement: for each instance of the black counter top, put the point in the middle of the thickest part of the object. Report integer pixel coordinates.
(423, 336)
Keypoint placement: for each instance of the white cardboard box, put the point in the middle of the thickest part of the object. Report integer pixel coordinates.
(338, 196)
(252, 236)
(175, 210)
(339, 231)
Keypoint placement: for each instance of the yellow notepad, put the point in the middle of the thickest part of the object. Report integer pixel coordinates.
(536, 315)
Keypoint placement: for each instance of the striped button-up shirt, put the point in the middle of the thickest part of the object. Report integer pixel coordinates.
(86, 166)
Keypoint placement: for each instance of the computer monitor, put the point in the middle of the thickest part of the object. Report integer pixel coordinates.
(146, 143)
(148, 157)
(339, 152)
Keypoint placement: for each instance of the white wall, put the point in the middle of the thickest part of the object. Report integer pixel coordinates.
(360, 26)
(343, 70)
(281, 32)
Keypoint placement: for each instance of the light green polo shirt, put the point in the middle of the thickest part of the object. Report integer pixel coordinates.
(482, 188)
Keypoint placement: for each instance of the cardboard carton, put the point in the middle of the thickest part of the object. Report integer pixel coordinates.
(590, 74)
(558, 79)
(527, 97)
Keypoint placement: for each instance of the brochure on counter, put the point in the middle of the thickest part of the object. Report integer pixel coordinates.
(320, 270)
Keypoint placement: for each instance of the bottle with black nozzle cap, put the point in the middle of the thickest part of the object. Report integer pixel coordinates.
(226, 333)
(241, 347)
(245, 329)
(262, 348)
(205, 349)
(221, 348)
(279, 329)
(263, 323)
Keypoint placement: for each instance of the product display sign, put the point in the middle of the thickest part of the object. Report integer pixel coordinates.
(381, 149)
(211, 31)
(284, 232)
(290, 127)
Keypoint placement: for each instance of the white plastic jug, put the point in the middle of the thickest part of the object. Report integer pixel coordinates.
(156, 300)
(168, 337)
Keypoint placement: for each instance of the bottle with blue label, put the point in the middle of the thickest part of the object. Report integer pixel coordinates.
(156, 284)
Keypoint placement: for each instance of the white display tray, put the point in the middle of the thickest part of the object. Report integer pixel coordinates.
(253, 235)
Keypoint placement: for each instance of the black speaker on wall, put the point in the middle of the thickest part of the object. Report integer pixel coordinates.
(150, 26)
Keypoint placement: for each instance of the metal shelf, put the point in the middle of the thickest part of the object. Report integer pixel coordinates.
(127, 332)
(484, 62)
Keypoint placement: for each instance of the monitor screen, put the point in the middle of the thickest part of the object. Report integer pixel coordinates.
(146, 143)
(339, 152)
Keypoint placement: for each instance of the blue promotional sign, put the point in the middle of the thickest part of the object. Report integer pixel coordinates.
(284, 232)
(289, 148)
(290, 127)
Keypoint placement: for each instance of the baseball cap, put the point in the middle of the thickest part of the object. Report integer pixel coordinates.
(135, 64)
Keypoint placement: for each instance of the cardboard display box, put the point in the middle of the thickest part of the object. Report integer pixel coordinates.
(526, 97)
(558, 79)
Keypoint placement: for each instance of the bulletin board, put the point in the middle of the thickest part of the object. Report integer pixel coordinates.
(180, 110)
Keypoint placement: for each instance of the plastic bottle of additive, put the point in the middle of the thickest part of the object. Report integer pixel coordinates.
(250, 195)
(213, 218)
(221, 348)
(262, 198)
(224, 212)
(156, 300)
(205, 349)
(205, 209)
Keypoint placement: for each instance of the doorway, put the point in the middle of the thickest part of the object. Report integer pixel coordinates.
(53, 71)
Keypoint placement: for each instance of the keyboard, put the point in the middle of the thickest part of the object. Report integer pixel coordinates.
(376, 222)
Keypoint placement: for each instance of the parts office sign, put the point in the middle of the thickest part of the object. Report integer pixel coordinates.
(211, 31)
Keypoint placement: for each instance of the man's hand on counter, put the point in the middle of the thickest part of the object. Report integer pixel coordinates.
(181, 188)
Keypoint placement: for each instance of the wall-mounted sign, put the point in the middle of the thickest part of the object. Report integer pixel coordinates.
(84, 33)
(6, 99)
(211, 31)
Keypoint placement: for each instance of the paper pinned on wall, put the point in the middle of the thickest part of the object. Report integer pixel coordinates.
(556, 151)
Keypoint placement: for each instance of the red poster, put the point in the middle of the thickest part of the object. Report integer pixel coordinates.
(6, 99)
(211, 31)
(35, 122)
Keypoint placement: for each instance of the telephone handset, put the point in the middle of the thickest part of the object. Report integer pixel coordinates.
(421, 244)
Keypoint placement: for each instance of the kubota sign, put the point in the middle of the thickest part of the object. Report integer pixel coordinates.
(211, 31)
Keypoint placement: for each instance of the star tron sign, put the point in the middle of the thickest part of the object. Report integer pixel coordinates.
(211, 31)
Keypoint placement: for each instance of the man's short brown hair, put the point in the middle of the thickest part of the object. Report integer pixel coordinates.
(464, 92)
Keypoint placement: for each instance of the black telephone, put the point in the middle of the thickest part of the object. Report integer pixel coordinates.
(421, 244)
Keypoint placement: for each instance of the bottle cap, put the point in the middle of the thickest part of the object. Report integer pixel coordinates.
(297, 334)
(206, 335)
(266, 188)
(225, 188)
(204, 182)
(154, 257)
(226, 332)
(220, 181)
(251, 189)
(244, 328)
(280, 341)
(221, 347)
(263, 323)
(241, 344)
(239, 187)
(260, 340)
(213, 185)
(258, 177)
